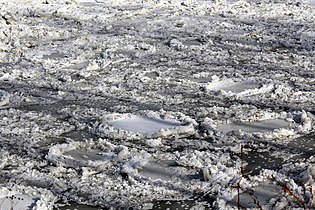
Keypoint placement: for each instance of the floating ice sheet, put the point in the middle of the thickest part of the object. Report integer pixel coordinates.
(144, 125)
(163, 170)
(81, 154)
(240, 88)
(130, 126)
(263, 126)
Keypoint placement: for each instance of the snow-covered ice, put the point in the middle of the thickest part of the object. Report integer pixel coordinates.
(151, 104)
(143, 125)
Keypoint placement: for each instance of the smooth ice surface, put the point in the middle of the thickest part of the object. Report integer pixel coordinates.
(254, 127)
(263, 193)
(81, 154)
(143, 125)
(161, 171)
(234, 87)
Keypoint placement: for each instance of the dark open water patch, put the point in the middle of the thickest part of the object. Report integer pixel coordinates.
(256, 161)
(305, 144)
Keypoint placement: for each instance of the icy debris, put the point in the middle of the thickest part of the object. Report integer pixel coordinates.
(306, 122)
(149, 125)
(4, 98)
(3, 158)
(26, 198)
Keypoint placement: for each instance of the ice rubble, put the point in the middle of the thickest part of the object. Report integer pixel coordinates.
(4, 98)
(229, 73)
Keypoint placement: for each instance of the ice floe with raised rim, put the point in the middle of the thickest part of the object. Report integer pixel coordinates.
(146, 125)
(237, 87)
(272, 126)
(87, 154)
(25, 198)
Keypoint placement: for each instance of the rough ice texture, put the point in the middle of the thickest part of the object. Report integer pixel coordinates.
(217, 94)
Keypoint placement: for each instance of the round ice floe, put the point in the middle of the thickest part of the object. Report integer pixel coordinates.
(231, 87)
(25, 198)
(267, 128)
(4, 98)
(130, 126)
(263, 126)
(86, 154)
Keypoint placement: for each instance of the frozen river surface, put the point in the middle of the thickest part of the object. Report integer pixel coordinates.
(156, 104)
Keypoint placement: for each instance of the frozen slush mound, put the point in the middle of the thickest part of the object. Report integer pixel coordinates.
(4, 98)
(25, 198)
(146, 125)
(233, 87)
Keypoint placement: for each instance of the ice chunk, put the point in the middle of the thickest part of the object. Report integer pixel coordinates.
(4, 98)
